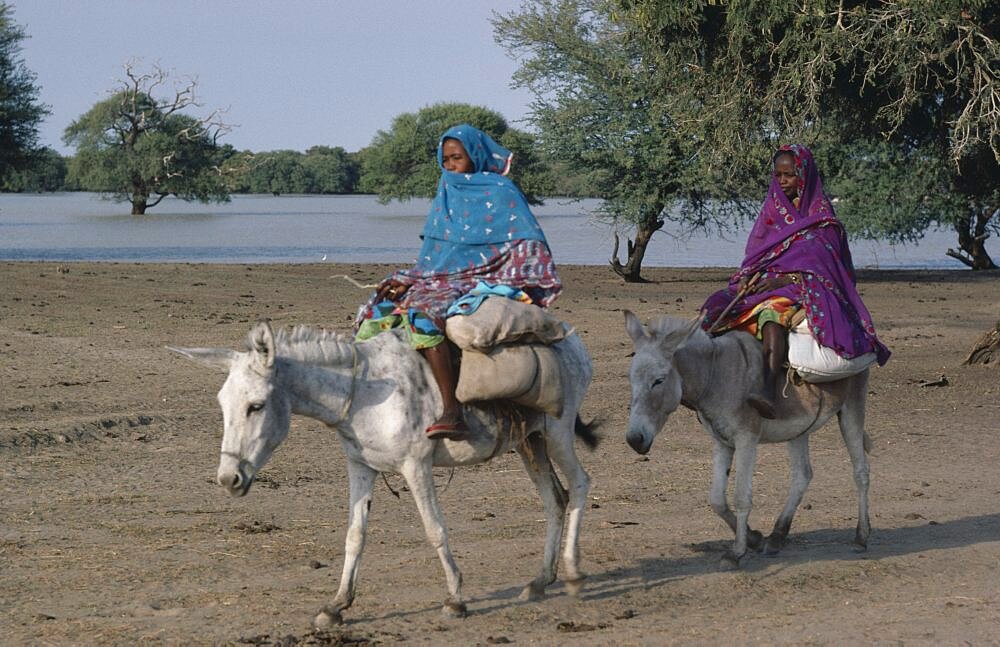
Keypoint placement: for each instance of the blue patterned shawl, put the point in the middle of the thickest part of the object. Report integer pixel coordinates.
(474, 214)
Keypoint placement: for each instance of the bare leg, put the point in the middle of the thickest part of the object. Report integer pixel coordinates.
(450, 423)
(775, 354)
(362, 481)
(801, 469)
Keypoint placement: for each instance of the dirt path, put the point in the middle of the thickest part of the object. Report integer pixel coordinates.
(113, 532)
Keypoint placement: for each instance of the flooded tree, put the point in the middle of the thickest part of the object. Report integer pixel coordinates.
(139, 146)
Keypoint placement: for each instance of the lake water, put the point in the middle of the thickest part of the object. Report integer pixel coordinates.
(351, 229)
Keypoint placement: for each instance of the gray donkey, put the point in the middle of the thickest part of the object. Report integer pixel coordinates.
(677, 363)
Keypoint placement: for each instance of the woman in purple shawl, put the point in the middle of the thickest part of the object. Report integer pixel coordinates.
(479, 230)
(796, 258)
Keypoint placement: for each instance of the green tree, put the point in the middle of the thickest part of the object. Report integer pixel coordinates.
(331, 170)
(599, 116)
(20, 111)
(140, 148)
(401, 163)
(46, 172)
(902, 96)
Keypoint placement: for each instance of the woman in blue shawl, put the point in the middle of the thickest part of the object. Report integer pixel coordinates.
(796, 258)
(479, 229)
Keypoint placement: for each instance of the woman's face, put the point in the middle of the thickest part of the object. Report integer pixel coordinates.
(454, 157)
(784, 170)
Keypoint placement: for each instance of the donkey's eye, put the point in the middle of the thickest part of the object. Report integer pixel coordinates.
(657, 382)
(254, 407)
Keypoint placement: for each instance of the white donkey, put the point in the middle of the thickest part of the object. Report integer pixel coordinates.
(380, 395)
(677, 363)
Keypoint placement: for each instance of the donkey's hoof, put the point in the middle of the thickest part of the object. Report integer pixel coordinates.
(535, 590)
(773, 545)
(859, 546)
(730, 561)
(327, 619)
(454, 609)
(575, 586)
(755, 540)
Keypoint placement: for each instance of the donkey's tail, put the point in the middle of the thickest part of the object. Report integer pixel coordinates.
(585, 432)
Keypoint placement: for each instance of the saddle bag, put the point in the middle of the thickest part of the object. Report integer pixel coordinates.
(499, 320)
(527, 374)
(815, 363)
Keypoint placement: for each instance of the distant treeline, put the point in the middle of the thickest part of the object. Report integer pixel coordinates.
(320, 170)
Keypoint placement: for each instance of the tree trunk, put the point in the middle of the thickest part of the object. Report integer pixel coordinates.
(140, 198)
(631, 270)
(972, 237)
(987, 349)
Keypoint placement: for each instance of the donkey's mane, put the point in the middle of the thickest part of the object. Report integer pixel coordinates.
(314, 345)
(674, 330)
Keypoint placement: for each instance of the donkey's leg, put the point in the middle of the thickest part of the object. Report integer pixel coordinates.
(745, 455)
(560, 439)
(420, 478)
(722, 460)
(362, 481)
(801, 469)
(852, 428)
(539, 468)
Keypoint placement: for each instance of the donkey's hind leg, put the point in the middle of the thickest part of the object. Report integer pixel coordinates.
(536, 463)
(362, 480)
(852, 429)
(801, 473)
(420, 477)
(560, 439)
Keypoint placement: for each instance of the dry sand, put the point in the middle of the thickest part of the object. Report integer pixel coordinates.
(113, 532)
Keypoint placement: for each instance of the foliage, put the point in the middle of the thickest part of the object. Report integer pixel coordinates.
(321, 169)
(599, 116)
(46, 172)
(20, 110)
(141, 148)
(902, 94)
(673, 105)
(401, 163)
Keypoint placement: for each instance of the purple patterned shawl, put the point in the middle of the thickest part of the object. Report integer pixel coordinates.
(811, 241)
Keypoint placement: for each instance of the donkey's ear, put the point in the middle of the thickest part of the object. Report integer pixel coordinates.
(213, 357)
(262, 344)
(634, 327)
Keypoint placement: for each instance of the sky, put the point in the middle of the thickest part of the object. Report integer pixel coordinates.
(290, 74)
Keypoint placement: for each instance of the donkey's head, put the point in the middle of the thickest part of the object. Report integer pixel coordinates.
(256, 411)
(656, 384)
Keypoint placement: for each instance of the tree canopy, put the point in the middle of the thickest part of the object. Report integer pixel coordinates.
(597, 112)
(321, 169)
(401, 163)
(20, 110)
(899, 99)
(675, 105)
(138, 147)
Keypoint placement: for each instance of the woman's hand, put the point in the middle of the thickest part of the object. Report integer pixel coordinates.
(392, 290)
(772, 283)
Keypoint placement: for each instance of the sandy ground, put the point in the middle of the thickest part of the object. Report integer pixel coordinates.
(112, 530)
